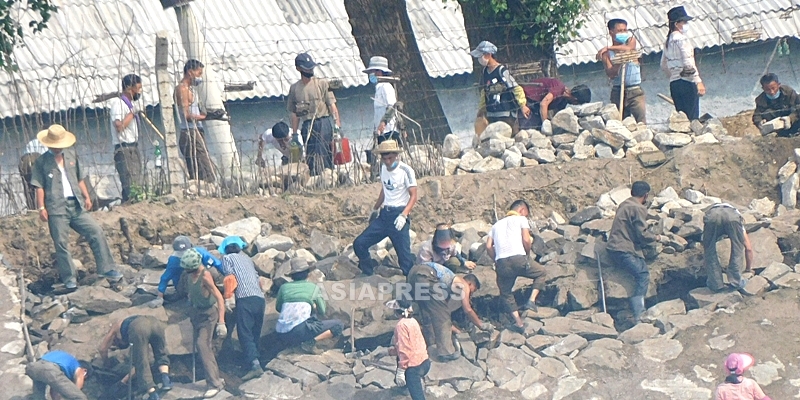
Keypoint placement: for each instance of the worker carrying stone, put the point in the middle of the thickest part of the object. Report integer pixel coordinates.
(780, 102)
(501, 97)
(628, 238)
(141, 333)
(719, 221)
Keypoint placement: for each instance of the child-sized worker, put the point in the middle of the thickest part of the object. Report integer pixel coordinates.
(410, 348)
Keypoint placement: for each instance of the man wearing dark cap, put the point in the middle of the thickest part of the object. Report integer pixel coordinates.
(500, 97)
(300, 302)
(628, 237)
(313, 108)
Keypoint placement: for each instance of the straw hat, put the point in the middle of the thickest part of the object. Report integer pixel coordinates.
(56, 137)
(378, 63)
(388, 146)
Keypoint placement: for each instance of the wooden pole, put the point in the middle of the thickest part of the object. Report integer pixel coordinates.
(353, 330)
(175, 165)
(29, 354)
(622, 90)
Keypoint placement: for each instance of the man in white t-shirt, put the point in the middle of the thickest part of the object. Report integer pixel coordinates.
(125, 134)
(389, 217)
(384, 119)
(509, 243)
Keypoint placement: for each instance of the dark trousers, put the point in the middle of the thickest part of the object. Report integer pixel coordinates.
(195, 152)
(147, 331)
(509, 269)
(718, 222)
(44, 373)
(383, 227)
(414, 380)
(318, 139)
(434, 315)
(684, 95)
(87, 227)
(25, 171)
(309, 329)
(634, 100)
(636, 267)
(249, 319)
(128, 163)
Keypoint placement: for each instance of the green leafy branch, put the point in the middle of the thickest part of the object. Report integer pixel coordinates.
(12, 31)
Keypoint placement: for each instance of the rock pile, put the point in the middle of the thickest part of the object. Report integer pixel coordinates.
(580, 132)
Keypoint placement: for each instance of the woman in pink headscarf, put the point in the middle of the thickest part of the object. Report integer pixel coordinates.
(736, 386)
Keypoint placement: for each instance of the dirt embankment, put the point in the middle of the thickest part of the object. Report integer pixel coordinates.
(737, 171)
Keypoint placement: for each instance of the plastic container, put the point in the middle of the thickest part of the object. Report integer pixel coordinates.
(295, 150)
(341, 150)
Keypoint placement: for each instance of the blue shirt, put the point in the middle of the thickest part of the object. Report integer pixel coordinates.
(65, 361)
(174, 270)
(633, 73)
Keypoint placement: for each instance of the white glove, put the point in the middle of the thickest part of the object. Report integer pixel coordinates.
(158, 302)
(486, 326)
(400, 222)
(222, 331)
(400, 376)
(230, 304)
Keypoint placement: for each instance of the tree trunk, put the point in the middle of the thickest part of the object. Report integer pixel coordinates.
(383, 28)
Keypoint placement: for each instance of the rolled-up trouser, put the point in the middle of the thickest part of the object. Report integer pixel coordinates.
(379, 229)
(144, 331)
(718, 222)
(44, 373)
(204, 322)
(434, 314)
(249, 319)
(318, 139)
(636, 267)
(310, 329)
(509, 269)
(635, 103)
(87, 227)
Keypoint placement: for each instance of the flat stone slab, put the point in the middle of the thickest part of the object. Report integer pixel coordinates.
(677, 388)
(660, 349)
(563, 326)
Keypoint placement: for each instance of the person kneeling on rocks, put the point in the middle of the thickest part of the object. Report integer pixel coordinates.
(249, 302)
(138, 332)
(437, 292)
(300, 302)
(62, 372)
(509, 244)
(207, 315)
(443, 249)
(736, 386)
(627, 239)
(719, 221)
(408, 344)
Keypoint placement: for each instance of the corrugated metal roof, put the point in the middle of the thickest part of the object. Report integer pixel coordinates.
(714, 24)
(441, 36)
(90, 44)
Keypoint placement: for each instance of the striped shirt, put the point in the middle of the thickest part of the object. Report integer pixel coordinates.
(242, 267)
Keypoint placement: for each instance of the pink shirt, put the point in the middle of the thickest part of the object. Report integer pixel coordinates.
(747, 390)
(409, 342)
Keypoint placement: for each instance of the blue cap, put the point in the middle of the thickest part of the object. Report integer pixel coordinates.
(231, 240)
(304, 62)
(484, 47)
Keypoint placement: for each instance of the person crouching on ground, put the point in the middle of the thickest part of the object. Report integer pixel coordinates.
(249, 302)
(409, 346)
(207, 311)
(443, 249)
(736, 386)
(62, 372)
(173, 271)
(300, 302)
(389, 218)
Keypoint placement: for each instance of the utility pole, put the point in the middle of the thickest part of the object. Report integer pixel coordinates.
(176, 170)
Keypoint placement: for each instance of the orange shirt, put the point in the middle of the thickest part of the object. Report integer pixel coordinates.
(747, 390)
(409, 342)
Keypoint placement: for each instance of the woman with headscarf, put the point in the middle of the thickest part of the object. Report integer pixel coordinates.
(736, 386)
(677, 61)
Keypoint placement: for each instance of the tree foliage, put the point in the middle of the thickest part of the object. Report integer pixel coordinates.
(544, 23)
(13, 25)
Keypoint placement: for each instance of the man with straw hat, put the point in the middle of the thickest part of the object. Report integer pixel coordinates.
(389, 217)
(63, 201)
(384, 120)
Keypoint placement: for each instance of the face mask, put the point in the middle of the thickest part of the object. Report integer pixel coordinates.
(773, 96)
(197, 81)
(622, 37)
(137, 96)
(685, 29)
(483, 61)
(373, 79)
(307, 74)
(394, 165)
